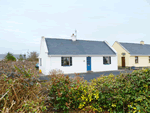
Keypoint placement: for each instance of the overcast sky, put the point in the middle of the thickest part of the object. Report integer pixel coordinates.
(23, 22)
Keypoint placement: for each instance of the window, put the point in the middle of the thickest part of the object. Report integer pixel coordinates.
(107, 60)
(136, 59)
(66, 61)
(149, 59)
(40, 61)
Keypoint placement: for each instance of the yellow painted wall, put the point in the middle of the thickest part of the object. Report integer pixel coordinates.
(143, 61)
(120, 50)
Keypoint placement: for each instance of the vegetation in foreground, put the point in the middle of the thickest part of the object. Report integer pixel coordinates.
(24, 92)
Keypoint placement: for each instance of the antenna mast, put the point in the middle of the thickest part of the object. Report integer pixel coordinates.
(75, 33)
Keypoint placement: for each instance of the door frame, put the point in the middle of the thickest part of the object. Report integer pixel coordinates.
(88, 67)
(124, 61)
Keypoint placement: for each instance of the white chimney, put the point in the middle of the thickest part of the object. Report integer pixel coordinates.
(43, 37)
(73, 37)
(142, 42)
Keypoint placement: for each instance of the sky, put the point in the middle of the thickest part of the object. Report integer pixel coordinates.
(24, 22)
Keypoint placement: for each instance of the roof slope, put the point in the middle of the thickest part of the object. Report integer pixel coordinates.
(78, 47)
(137, 49)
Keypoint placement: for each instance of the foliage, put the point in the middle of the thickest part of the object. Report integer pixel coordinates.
(20, 92)
(32, 56)
(8, 67)
(20, 57)
(118, 94)
(10, 57)
(63, 90)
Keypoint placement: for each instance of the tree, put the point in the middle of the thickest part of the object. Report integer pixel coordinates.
(20, 57)
(33, 56)
(10, 57)
(24, 56)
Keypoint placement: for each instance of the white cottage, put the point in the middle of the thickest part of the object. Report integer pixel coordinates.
(76, 56)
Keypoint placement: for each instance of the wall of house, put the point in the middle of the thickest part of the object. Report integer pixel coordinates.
(44, 57)
(97, 64)
(79, 65)
(143, 61)
(120, 50)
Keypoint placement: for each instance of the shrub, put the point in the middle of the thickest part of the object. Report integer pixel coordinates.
(64, 92)
(10, 57)
(122, 93)
(8, 67)
(21, 93)
(20, 58)
(32, 56)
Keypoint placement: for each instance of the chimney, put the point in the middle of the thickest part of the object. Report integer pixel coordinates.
(43, 37)
(73, 37)
(142, 42)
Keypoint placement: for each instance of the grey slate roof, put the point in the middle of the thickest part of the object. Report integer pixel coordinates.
(137, 49)
(79, 47)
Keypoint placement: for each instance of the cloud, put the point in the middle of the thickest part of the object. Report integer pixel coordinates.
(16, 30)
(13, 22)
(97, 17)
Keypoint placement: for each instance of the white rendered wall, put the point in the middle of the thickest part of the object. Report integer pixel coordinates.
(97, 64)
(79, 65)
(44, 57)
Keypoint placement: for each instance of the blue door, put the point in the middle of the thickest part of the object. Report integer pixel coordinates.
(88, 63)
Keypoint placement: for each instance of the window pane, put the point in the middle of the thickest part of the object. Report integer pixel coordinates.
(66, 61)
(70, 61)
(62, 61)
(40, 61)
(106, 60)
(136, 59)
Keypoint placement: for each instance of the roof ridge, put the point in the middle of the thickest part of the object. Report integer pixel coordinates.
(133, 43)
(77, 39)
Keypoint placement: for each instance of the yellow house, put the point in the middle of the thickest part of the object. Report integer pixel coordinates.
(132, 54)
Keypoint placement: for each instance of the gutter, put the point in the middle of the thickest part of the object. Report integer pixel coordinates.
(139, 55)
(80, 55)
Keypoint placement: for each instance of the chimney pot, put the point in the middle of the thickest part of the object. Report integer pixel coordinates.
(43, 37)
(73, 37)
(142, 42)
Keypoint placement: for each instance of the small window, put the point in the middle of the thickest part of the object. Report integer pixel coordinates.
(136, 59)
(66, 61)
(107, 60)
(40, 61)
(149, 59)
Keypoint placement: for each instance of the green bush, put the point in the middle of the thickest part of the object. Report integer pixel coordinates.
(119, 94)
(10, 57)
(20, 57)
(64, 92)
